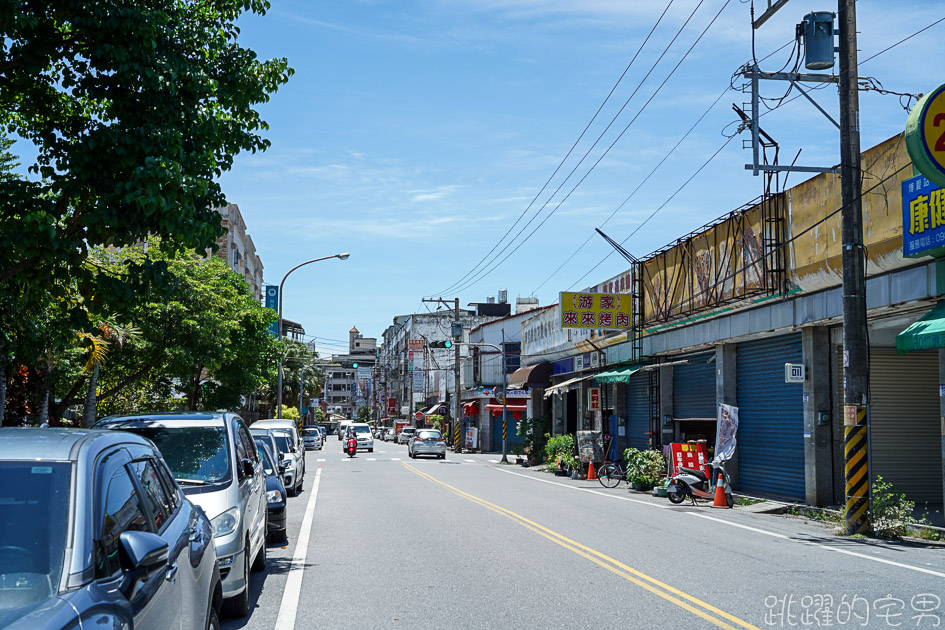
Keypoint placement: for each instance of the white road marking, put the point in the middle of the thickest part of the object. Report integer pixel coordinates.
(320, 460)
(471, 461)
(395, 459)
(764, 532)
(372, 459)
(495, 461)
(293, 583)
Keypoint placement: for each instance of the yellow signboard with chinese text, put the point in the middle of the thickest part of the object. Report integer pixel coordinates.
(603, 311)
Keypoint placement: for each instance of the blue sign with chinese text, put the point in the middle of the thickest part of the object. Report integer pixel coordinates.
(272, 301)
(923, 218)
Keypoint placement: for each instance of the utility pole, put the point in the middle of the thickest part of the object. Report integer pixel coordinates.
(456, 334)
(855, 350)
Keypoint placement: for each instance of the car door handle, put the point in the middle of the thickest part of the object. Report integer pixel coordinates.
(171, 573)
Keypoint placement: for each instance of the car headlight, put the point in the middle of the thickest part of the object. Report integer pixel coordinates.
(226, 523)
(273, 496)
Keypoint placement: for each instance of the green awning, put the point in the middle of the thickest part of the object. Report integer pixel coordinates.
(620, 375)
(928, 333)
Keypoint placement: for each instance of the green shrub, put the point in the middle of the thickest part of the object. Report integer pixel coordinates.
(559, 446)
(891, 511)
(645, 469)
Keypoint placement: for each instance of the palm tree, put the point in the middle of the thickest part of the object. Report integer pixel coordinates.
(98, 353)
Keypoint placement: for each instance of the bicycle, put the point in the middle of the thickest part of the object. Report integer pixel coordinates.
(611, 474)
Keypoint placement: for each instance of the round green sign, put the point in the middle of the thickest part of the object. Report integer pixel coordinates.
(925, 136)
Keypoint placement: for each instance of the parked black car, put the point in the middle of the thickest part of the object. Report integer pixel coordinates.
(96, 533)
(275, 493)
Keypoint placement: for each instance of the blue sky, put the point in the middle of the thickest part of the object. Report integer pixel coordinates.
(415, 132)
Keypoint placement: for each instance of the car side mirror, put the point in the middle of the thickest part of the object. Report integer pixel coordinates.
(283, 467)
(146, 553)
(248, 469)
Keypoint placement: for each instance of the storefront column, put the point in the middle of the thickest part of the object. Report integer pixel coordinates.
(818, 454)
(726, 393)
(666, 404)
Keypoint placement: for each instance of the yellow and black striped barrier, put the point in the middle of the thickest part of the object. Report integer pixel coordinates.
(505, 428)
(457, 445)
(856, 514)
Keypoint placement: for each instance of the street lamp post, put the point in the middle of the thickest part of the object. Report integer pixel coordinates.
(343, 256)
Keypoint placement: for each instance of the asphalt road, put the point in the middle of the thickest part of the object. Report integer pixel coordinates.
(393, 542)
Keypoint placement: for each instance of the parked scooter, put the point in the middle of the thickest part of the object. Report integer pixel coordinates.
(693, 483)
(351, 446)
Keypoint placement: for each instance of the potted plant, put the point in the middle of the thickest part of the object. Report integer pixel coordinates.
(645, 469)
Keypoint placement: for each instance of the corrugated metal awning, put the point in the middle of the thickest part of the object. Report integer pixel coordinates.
(560, 387)
(928, 333)
(538, 375)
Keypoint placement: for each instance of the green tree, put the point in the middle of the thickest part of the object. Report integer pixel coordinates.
(203, 346)
(134, 110)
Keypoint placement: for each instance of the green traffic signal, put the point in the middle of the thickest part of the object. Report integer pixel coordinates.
(354, 365)
(441, 344)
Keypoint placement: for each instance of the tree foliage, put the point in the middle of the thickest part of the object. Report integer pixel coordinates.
(134, 110)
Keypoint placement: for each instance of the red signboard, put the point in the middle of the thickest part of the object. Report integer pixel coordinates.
(392, 406)
(415, 344)
(595, 398)
(689, 455)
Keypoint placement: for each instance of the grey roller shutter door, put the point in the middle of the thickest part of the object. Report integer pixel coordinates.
(905, 434)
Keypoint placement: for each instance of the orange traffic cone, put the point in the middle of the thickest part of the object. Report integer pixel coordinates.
(719, 501)
(591, 475)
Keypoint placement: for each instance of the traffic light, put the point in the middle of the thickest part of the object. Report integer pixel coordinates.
(354, 365)
(441, 344)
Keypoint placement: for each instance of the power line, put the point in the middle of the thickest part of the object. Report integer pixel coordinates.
(604, 154)
(567, 155)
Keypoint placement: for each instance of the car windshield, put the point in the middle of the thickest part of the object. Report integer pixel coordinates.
(362, 430)
(429, 435)
(268, 465)
(310, 432)
(34, 509)
(196, 455)
(282, 441)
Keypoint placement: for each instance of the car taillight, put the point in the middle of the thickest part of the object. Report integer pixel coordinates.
(440, 439)
(418, 439)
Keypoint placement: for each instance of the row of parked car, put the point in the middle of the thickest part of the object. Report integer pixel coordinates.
(144, 521)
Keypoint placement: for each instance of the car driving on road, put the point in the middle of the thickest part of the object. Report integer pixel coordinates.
(427, 442)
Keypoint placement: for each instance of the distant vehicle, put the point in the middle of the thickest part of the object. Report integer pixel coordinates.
(363, 432)
(275, 493)
(96, 533)
(213, 457)
(324, 432)
(389, 435)
(427, 442)
(406, 434)
(312, 438)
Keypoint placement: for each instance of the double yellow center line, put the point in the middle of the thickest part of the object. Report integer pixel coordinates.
(683, 600)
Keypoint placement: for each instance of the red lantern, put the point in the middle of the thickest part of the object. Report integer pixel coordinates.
(517, 415)
(496, 413)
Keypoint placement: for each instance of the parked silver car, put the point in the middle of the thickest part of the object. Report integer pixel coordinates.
(312, 438)
(427, 442)
(96, 533)
(406, 434)
(213, 457)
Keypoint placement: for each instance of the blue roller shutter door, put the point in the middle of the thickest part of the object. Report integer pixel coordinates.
(638, 411)
(694, 387)
(770, 418)
(512, 437)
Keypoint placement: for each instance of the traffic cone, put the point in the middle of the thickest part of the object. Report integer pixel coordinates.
(591, 475)
(719, 501)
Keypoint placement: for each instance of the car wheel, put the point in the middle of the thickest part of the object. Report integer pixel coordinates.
(290, 491)
(238, 606)
(213, 619)
(281, 536)
(370, 450)
(298, 488)
(259, 563)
